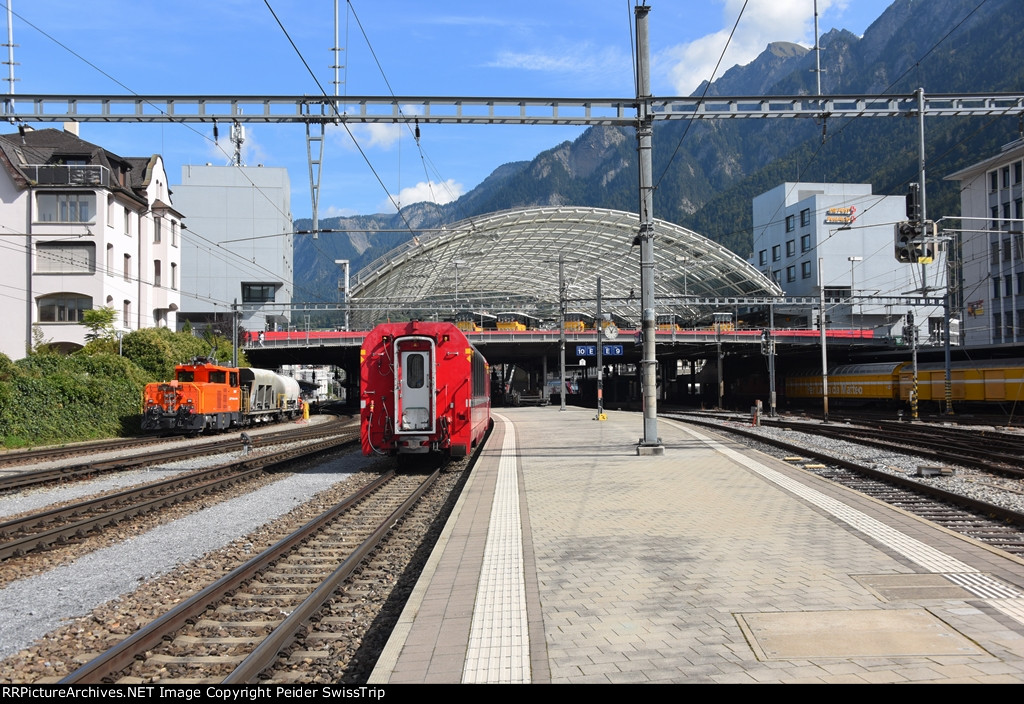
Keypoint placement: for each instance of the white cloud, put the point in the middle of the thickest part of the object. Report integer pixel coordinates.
(426, 192)
(570, 59)
(334, 211)
(763, 22)
(382, 135)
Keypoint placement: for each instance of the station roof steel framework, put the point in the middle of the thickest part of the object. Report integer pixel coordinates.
(508, 261)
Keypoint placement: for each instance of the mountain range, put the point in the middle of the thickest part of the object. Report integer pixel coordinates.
(707, 172)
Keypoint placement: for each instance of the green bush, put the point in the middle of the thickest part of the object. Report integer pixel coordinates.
(48, 398)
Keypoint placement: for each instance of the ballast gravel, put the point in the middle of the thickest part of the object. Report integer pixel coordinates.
(1006, 492)
(35, 606)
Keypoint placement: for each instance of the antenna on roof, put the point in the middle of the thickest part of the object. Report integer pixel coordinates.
(237, 138)
(9, 104)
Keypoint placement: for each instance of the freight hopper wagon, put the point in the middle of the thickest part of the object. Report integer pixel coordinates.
(423, 388)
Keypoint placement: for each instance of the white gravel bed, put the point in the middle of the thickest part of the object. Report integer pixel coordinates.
(966, 481)
(35, 498)
(37, 605)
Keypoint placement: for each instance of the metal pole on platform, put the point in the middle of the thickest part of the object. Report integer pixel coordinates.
(650, 443)
(561, 329)
(599, 331)
(824, 346)
(771, 360)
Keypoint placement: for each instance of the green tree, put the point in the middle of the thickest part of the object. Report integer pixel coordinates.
(100, 322)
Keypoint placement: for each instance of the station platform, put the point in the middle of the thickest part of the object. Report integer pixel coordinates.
(569, 559)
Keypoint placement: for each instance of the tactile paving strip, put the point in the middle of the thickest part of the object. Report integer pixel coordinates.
(499, 644)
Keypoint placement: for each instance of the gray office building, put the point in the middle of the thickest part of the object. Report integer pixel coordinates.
(237, 246)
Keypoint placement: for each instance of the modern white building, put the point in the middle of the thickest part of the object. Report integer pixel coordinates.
(850, 232)
(238, 247)
(82, 228)
(991, 235)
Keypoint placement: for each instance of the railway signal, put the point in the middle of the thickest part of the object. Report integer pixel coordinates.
(915, 242)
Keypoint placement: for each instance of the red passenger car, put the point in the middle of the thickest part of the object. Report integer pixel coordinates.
(423, 388)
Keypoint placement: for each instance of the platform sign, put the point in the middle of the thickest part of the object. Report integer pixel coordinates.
(591, 350)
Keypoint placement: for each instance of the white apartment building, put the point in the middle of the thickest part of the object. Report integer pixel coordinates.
(82, 228)
(238, 247)
(991, 234)
(850, 231)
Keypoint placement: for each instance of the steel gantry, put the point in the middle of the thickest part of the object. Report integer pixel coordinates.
(622, 112)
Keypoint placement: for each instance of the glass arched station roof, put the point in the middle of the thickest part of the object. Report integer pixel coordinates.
(509, 261)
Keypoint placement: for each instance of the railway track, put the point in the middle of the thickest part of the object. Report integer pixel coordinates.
(15, 478)
(41, 530)
(50, 454)
(235, 629)
(984, 521)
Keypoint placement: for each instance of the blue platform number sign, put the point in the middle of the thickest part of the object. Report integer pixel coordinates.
(591, 350)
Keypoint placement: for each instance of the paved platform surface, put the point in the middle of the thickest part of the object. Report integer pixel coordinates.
(570, 559)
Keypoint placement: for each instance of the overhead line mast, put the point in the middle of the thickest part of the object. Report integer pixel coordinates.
(650, 443)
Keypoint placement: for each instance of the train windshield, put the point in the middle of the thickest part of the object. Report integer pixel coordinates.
(185, 375)
(414, 371)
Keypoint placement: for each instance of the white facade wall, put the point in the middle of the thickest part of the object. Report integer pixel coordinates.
(791, 237)
(247, 210)
(55, 270)
(992, 247)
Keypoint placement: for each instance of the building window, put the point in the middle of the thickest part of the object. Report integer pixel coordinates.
(1007, 285)
(777, 276)
(776, 252)
(805, 243)
(127, 222)
(790, 274)
(995, 217)
(995, 288)
(993, 181)
(258, 293)
(66, 207)
(1006, 214)
(156, 230)
(1017, 172)
(63, 308)
(1020, 284)
(805, 217)
(174, 233)
(127, 267)
(65, 258)
(174, 276)
(1008, 326)
(1006, 177)
(790, 223)
(995, 254)
(157, 278)
(110, 260)
(790, 248)
(762, 257)
(126, 314)
(997, 327)
(805, 270)
(1006, 250)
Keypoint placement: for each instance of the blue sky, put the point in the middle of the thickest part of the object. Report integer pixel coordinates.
(571, 48)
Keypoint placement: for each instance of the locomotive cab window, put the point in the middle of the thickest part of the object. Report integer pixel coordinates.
(217, 377)
(233, 376)
(184, 375)
(414, 371)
